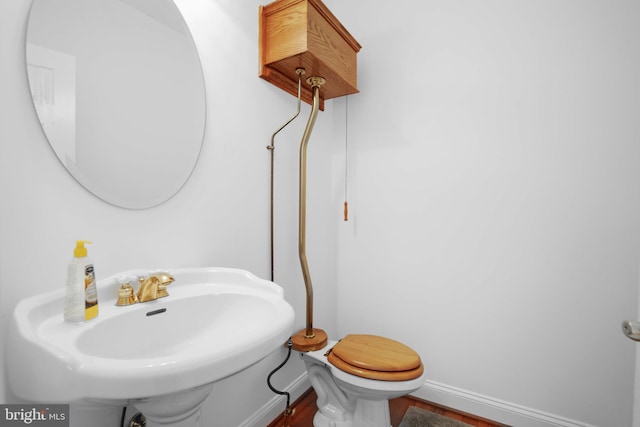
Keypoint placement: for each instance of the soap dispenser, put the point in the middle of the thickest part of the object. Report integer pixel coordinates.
(81, 299)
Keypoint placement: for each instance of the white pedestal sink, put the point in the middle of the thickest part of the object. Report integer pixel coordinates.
(161, 356)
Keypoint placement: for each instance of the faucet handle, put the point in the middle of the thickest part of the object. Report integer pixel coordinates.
(165, 280)
(164, 277)
(126, 296)
(126, 293)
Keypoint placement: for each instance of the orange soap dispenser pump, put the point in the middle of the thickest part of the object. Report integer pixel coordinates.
(81, 298)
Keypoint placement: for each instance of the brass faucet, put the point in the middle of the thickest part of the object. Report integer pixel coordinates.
(154, 287)
(151, 288)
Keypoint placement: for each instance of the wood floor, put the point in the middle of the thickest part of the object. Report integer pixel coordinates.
(305, 408)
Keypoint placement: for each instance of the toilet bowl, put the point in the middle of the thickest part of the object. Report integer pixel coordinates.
(354, 378)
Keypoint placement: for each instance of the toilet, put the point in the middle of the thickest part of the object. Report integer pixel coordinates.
(354, 378)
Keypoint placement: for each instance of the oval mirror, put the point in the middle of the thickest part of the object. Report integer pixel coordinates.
(118, 88)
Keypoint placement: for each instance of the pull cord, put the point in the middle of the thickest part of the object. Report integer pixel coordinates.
(288, 411)
(346, 157)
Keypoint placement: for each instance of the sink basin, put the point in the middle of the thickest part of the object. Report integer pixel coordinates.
(214, 323)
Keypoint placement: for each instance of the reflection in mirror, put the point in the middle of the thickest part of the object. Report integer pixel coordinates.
(118, 89)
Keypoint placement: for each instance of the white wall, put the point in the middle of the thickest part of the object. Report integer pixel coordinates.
(493, 180)
(220, 218)
(494, 176)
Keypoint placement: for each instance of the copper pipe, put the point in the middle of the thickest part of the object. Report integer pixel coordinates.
(315, 83)
(272, 147)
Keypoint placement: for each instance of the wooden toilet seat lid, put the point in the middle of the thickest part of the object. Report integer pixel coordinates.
(375, 357)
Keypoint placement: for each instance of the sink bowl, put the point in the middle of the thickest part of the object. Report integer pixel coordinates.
(214, 323)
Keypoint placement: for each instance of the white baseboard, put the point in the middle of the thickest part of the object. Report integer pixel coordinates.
(493, 409)
(276, 406)
(462, 400)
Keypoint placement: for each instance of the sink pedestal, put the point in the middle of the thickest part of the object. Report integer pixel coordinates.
(95, 414)
(175, 409)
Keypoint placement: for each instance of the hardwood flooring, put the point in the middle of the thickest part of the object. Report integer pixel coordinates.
(305, 408)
